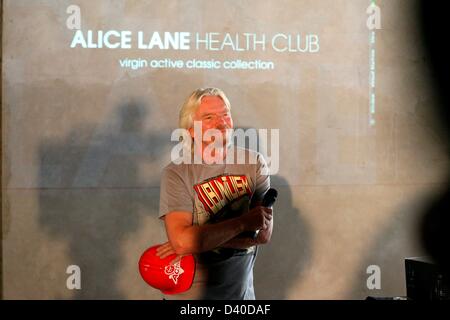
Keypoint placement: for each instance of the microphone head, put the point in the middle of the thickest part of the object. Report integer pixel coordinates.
(270, 197)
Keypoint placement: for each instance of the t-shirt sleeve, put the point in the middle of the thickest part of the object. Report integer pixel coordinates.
(174, 194)
(262, 179)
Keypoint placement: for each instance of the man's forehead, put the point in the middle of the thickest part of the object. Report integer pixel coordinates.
(211, 104)
(212, 100)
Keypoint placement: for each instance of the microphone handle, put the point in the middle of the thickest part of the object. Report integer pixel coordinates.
(254, 234)
(268, 201)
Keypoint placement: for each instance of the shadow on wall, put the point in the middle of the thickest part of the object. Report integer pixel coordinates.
(88, 196)
(281, 262)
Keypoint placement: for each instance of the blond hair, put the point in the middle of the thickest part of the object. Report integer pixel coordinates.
(193, 102)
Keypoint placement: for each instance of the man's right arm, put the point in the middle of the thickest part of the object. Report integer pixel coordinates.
(186, 238)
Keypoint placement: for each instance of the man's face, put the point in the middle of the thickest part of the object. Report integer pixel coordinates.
(213, 114)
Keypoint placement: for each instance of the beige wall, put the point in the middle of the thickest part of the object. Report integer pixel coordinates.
(85, 141)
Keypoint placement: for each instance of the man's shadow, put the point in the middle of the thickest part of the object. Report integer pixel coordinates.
(280, 263)
(92, 194)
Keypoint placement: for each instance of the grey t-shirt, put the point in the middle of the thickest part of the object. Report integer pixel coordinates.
(214, 193)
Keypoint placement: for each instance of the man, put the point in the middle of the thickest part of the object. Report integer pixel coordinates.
(209, 209)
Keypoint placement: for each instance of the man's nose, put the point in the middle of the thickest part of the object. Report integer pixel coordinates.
(220, 122)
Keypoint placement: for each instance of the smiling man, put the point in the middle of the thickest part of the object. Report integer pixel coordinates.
(210, 208)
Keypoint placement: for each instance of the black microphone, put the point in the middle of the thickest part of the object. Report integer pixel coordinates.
(268, 201)
(269, 198)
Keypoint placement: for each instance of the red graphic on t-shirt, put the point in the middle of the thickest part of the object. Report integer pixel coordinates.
(217, 192)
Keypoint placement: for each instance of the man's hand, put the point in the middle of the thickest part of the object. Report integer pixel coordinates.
(264, 235)
(257, 218)
(166, 250)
